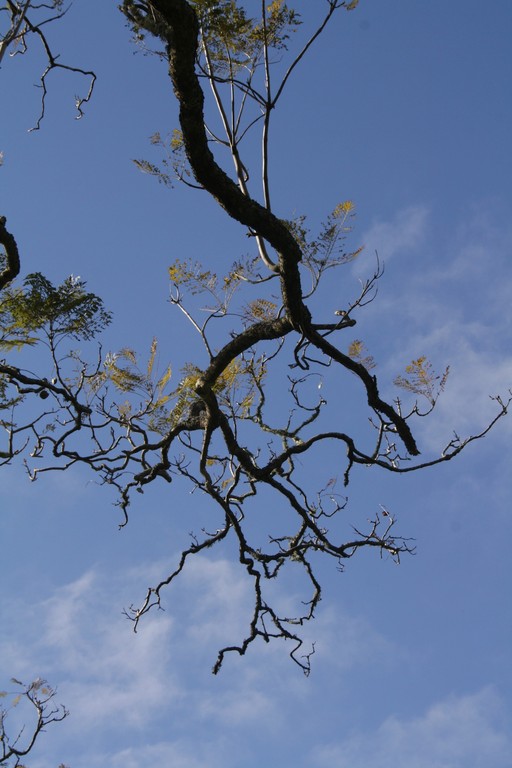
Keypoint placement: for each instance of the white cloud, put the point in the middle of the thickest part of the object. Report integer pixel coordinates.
(404, 233)
(126, 691)
(452, 304)
(220, 601)
(117, 683)
(107, 670)
(177, 755)
(344, 642)
(164, 754)
(459, 732)
(477, 374)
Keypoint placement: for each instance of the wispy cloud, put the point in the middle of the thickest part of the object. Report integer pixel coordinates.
(458, 732)
(125, 690)
(150, 698)
(108, 671)
(163, 754)
(452, 304)
(404, 233)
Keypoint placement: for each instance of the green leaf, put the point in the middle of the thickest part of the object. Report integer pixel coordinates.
(39, 309)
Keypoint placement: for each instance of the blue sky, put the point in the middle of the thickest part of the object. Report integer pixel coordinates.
(405, 109)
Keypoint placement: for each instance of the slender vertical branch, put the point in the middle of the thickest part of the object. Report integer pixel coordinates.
(267, 111)
(230, 132)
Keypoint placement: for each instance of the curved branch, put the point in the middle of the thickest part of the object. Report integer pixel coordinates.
(40, 696)
(12, 269)
(180, 30)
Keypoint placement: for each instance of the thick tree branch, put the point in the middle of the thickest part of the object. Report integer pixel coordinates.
(12, 268)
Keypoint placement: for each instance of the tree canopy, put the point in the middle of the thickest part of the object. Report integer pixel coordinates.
(260, 324)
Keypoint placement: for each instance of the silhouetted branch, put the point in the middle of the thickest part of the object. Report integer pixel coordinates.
(22, 26)
(36, 700)
(224, 428)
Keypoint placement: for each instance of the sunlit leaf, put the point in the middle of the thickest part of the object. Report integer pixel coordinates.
(421, 379)
(357, 351)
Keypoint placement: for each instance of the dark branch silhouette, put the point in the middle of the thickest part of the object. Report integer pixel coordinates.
(36, 702)
(218, 427)
(27, 19)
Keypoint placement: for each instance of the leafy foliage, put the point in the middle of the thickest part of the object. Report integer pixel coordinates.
(121, 369)
(357, 350)
(193, 277)
(232, 40)
(261, 309)
(422, 380)
(38, 311)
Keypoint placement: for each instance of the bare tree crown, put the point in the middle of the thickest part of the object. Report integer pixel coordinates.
(215, 425)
